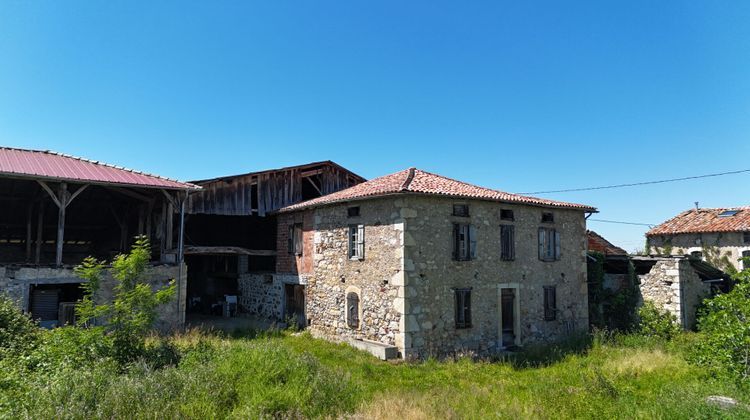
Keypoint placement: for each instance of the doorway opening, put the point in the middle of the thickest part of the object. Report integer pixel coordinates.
(53, 305)
(295, 304)
(509, 311)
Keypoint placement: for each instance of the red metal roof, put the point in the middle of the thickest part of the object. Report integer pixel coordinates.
(597, 243)
(38, 164)
(704, 221)
(412, 180)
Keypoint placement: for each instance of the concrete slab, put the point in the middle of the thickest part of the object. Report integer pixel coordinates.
(379, 350)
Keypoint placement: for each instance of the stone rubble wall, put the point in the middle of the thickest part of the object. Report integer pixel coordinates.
(730, 244)
(432, 274)
(16, 283)
(673, 285)
(335, 274)
(262, 294)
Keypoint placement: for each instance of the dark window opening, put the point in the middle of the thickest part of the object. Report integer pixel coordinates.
(550, 303)
(697, 254)
(507, 243)
(461, 210)
(352, 310)
(746, 237)
(464, 242)
(549, 244)
(463, 308)
(548, 218)
(353, 211)
(506, 215)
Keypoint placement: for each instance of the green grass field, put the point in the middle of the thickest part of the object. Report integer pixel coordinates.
(202, 375)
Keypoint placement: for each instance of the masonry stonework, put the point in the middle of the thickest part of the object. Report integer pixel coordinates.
(16, 283)
(672, 285)
(432, 275)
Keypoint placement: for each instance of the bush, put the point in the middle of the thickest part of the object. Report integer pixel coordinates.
(18, 332)
(724, 321)
(654, 322)
(132, 312)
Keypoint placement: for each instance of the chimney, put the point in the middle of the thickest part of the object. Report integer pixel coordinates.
(696, 206)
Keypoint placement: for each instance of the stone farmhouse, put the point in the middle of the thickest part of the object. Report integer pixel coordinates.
(720, 236)
(406, 265)
(432, 266)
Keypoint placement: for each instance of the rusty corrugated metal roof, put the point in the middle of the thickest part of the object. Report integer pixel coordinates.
(44, 164)
(705, 221)
(414, 180)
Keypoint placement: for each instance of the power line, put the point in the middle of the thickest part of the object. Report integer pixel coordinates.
(622, 223)
(634, 184)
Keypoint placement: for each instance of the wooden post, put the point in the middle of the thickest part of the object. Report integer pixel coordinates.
(170, 227)
(63, 198)
(141, 218)
(29, 215)
(39, 232)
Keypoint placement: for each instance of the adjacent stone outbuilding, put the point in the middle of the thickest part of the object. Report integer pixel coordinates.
(435, 266)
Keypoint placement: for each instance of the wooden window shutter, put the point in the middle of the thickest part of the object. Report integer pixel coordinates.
(361, 242)
(298, 239)
(290, 240)
(557, 244)
(472, 232)
(550, 303)
(541, 243)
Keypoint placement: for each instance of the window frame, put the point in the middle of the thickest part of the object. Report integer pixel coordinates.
(464, 249)
(356, 240)
(549, 249)
(462, 307)
(353, 211)
(295, 240)
(507, 214)
(461, 213)
(550, 305)
(548, 217)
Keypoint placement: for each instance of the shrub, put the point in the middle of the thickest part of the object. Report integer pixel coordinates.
(654, 322)
(132, 312)
(724, 321)
(18, 332)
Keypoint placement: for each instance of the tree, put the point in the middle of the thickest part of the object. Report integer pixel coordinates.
(130, 315)
(725, 322)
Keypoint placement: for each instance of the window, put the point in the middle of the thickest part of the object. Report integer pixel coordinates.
(464, 242)
(550, 303)
(461, 210)
(295, 239)
(352, 310)
(506, 215)
(357, 242)
(353, 211)
(746, 237)
(463, 308)
(548, 218)
(728, 213)
(697, 254)
(507, 243)
(549, 244)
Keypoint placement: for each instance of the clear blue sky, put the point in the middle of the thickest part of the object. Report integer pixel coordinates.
(518, 96)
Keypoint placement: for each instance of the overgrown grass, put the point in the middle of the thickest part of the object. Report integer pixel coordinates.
(199, 375)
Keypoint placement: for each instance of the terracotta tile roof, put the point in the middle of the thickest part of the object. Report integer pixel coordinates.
(597, 243)
(416, 181)
(44, 164)
(705, 220)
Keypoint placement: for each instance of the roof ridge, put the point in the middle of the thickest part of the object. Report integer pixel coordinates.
(409, 178)
(97, 162)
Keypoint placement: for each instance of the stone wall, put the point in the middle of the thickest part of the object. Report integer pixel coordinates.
(16, 283)
(335, 274)
(432, 275)
(262, 294)
(674, 286)
(729, 244)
